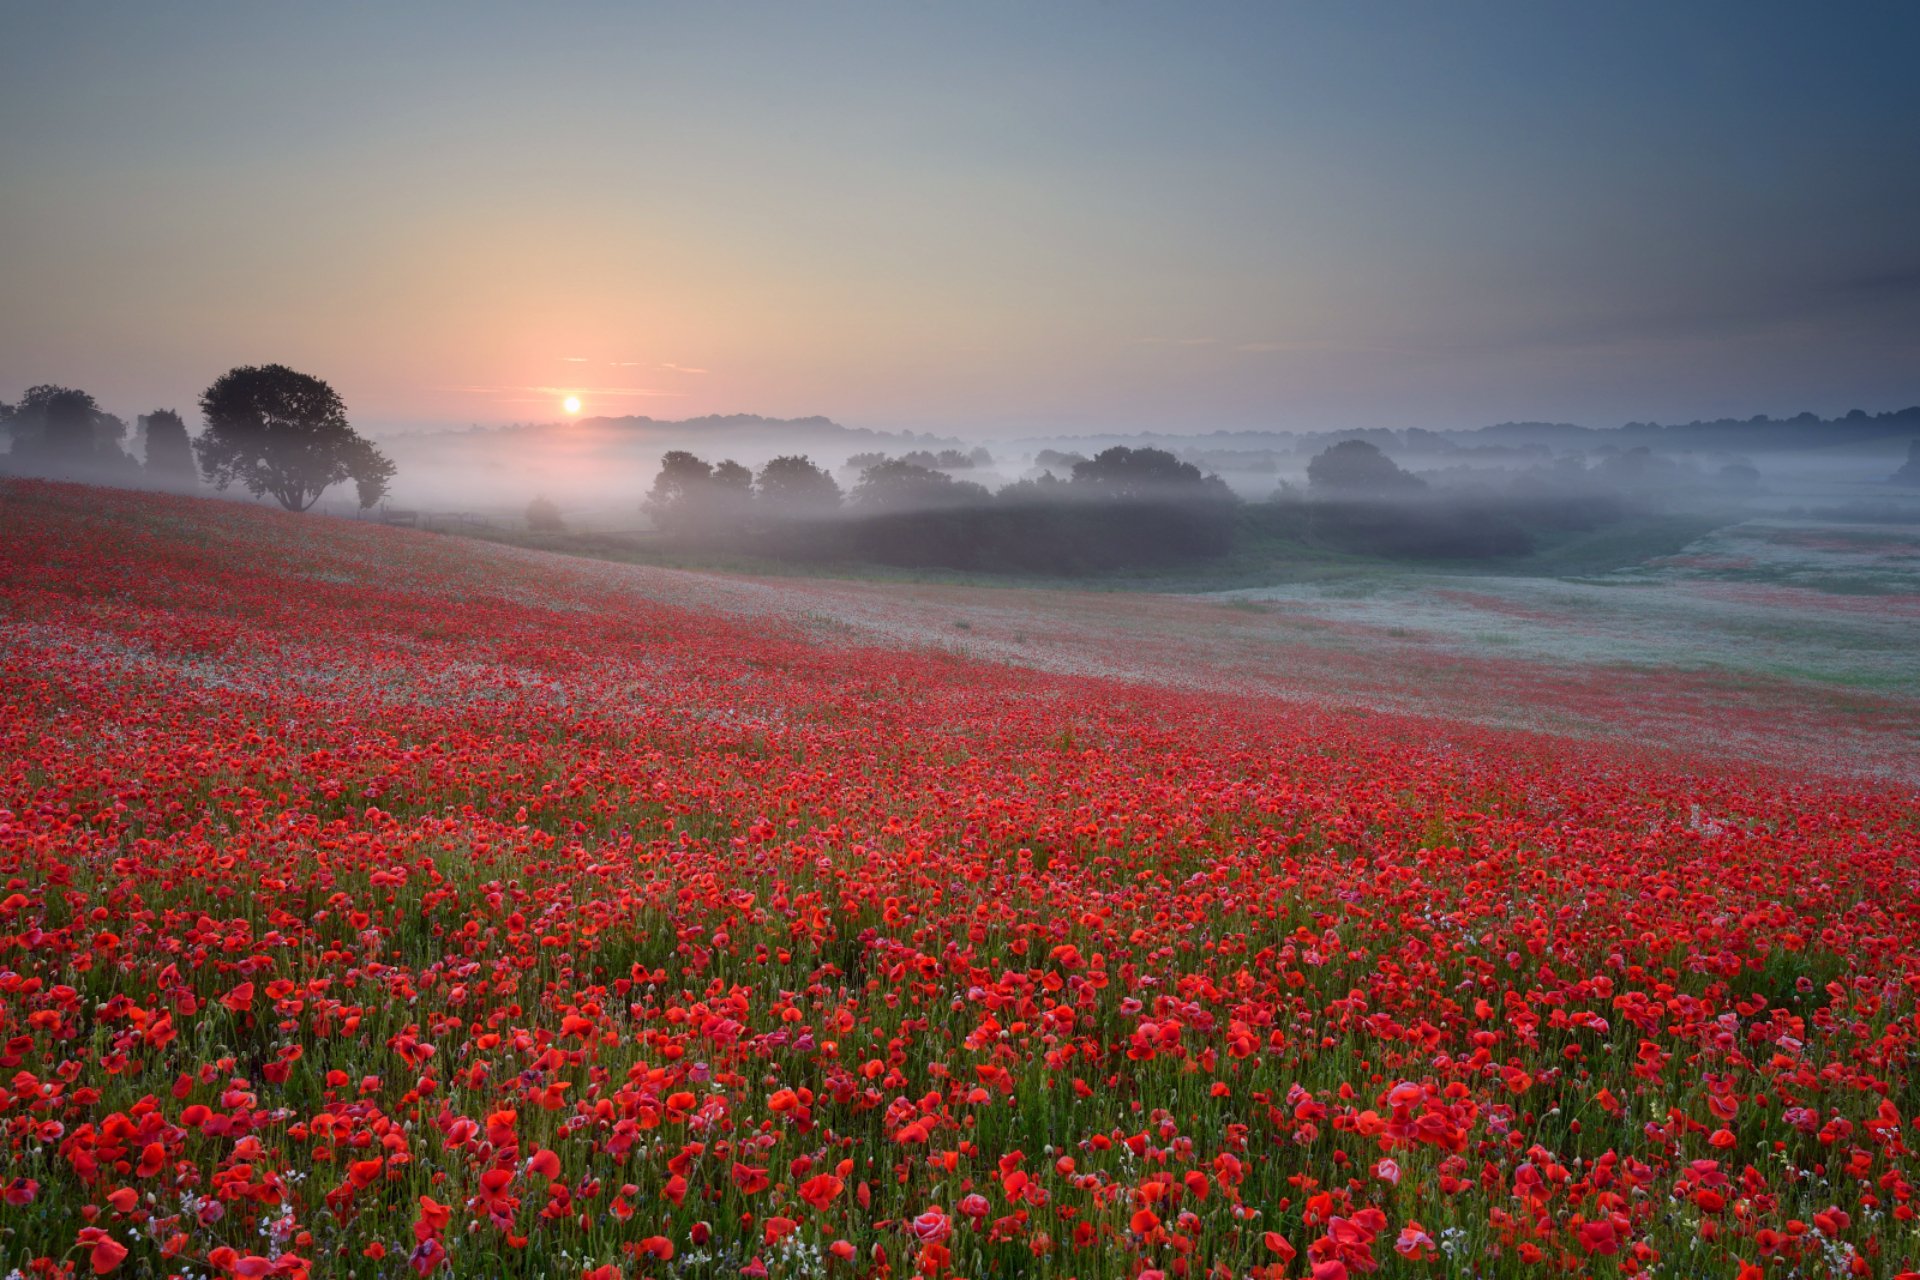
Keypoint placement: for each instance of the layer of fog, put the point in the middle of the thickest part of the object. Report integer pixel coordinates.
(596, 473)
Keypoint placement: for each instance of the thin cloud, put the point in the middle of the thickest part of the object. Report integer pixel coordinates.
(573, 359)
(589, 392)
(1259, 348)
(680, 368)
(526, 395)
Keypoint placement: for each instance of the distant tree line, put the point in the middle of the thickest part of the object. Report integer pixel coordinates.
(275, 432)
(944, 460)
(1144, 508)
(1358, 499)
(1759, 433)
(1125, 508)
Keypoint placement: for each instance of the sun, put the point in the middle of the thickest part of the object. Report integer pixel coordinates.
(571, 404)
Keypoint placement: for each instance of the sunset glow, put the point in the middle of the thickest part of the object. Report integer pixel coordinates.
(571, 404)
(1071, 219)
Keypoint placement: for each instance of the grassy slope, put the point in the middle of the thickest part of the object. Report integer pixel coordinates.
(1258, 560)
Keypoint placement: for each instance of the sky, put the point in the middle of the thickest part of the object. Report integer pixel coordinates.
(970, 217)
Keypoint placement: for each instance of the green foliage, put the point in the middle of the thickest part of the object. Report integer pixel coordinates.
(1354, 468)
(283, 433)
(63, 428)
(169, 452)
(794, 486)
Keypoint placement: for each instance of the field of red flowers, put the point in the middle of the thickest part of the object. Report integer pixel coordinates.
(378, 905)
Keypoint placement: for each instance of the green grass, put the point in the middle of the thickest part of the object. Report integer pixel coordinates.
(1256, 561)
(1600, 551)
(1260, 558)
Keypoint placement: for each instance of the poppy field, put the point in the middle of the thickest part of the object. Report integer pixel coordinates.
(376, 904)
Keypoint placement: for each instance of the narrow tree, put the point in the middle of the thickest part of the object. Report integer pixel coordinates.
(284, 433)
(729, 496)
(169, 452)
(1910, 473)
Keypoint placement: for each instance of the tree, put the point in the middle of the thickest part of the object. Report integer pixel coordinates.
(693, 498)
(60, 430)
(1121, 472)
(729, 497)
(284, 433)
(676, 499)
(66, 421)
(900, 485)
(730, 477)
(1910, 473)
(169, 452)
(1356, 469)
(544, 517)
(60, 424)
(793, 486)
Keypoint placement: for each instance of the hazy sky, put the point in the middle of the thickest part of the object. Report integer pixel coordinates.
(968, 216)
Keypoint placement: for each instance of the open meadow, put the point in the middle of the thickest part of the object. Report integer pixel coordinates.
(379, 903)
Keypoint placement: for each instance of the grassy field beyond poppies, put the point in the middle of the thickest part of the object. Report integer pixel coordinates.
(378, 904)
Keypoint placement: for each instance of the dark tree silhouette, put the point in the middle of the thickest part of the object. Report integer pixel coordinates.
(693, 498)
(1354, 468)
(898, 485)
(284, 433)
(169, 452)
(60, 424)
(1121, 472)
(67, 421)
(1362, 502)
(793, 486)
(544, 517)
(677, 499)
(1910, 473)
(728, 502)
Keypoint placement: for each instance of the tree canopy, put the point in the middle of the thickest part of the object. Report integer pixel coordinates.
(63, 427)
(1355, 468)
(793, 486)
(899, 485)
(276, 431)
(1121, 472)
(680, 493)
(169, 452)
